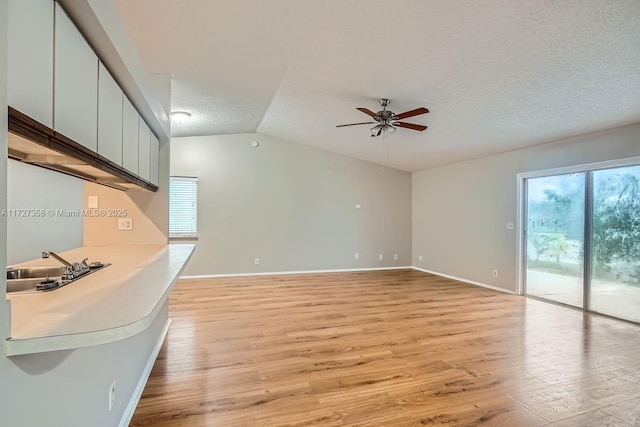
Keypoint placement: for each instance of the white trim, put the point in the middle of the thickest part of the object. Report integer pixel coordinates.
(459, 279)
(519, 235)
(137, 393)
(406, 267)
(277, 273)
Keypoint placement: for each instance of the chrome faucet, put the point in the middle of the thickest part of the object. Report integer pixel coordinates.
(45, 254)
(71, 271)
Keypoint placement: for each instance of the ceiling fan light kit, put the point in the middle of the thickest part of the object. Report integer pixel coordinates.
(386, 130)
(387, 122)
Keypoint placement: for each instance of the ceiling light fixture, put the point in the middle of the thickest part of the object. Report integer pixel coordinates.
(180, 116)
(384, 129)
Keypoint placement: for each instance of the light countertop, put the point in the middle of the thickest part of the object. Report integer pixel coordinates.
(108, 305)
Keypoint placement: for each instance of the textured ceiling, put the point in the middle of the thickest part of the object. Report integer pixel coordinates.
(497, 75)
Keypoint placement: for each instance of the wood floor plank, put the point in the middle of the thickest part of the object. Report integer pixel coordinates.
(384, 348)
(595, 418)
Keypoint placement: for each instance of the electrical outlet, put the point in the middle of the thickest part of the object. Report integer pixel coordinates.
(125, 224)
(112, 395)
(509, 225)
(495, 273)
(256, 261)
(380, 257)
(357, 255)
(419, 257)
(395, 257)
(92, 202)
(358, 206)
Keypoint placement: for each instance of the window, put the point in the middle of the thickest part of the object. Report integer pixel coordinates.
(183, 206)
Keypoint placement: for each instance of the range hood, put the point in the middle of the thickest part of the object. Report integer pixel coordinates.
(32, 142)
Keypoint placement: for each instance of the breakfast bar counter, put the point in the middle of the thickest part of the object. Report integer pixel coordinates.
(108, 305)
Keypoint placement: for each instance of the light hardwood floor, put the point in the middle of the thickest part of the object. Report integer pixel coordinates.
(386, 348)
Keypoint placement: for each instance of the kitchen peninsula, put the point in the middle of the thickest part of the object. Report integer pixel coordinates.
(114, 303)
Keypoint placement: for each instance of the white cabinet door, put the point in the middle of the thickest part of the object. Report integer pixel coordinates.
(75, 83)
(153, 168)
(129, 136)
(30, 57)
(144, 150)
(109, 117)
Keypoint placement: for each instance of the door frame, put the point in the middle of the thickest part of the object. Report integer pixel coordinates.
(521, 201)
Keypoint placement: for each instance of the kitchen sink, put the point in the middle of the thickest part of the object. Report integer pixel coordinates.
(22, 285)
(38, 279)
(35, 272)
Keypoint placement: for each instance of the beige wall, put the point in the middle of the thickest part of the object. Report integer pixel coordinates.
(149, 211)
(292, 206)
(71, 387)
(460, 210)
(31, 187)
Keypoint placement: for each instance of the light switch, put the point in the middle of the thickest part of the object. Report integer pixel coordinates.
(92, 202)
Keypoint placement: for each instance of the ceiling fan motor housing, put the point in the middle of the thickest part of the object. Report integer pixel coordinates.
(385, 115)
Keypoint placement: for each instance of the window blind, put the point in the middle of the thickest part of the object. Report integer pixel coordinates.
(183, 206)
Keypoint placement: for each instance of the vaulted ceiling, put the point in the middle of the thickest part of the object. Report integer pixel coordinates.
(497, 75)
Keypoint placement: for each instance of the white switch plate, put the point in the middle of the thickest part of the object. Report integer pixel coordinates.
(509, 225)
(357, 255)
(380, 257)
(125, 224)
(495, 273)
(358, 206)
(256, 261)
(419, 257)
(395, 256)
(92, 203)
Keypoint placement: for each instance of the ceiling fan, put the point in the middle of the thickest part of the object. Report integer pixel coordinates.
(386, 121)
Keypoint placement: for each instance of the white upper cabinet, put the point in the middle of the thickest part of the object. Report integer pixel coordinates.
(75, 83)
(153, 168)
(109, 117)
(144, 150)
(55, 78)
(30, 58)
(130, 120)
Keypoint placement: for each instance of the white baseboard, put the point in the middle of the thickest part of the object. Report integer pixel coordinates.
(277, 273)
(471, 282)
(137, 393)
(347, 270)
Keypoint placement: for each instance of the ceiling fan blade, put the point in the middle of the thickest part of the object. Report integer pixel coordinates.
(369, 113)
(409, 126)
(355, 124)
(410, 113)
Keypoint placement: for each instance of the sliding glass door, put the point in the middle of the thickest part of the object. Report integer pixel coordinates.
(582, 240)
(615, 248)
(555, 238)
